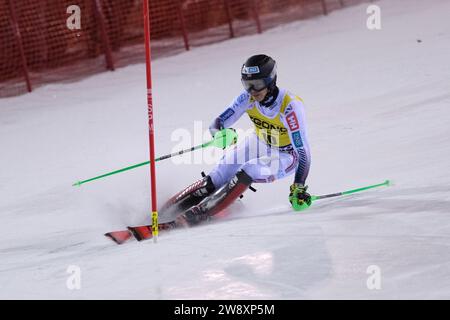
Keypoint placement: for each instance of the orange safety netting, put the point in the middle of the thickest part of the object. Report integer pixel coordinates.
(38, 47)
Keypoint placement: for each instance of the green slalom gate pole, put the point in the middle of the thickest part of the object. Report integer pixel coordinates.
(385, 183)
(222, 139)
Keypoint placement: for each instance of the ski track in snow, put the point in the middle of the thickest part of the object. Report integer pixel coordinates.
(377, 108)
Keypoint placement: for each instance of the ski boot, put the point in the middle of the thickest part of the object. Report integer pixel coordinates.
(188, 197)
(217, 201)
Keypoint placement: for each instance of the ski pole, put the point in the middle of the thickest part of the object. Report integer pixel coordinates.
(222, 139)
(385, 183)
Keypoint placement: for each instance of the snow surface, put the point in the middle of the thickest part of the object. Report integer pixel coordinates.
(377, 108)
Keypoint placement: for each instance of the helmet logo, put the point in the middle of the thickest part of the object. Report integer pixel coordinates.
(250, 70)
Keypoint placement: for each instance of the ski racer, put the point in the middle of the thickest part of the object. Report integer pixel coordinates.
(277, 148)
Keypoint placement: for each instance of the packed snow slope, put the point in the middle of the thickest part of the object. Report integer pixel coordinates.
(377, 108)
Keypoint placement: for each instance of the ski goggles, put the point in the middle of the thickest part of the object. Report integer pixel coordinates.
(256, 84)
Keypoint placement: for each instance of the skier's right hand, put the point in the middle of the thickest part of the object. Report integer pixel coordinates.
(214, 131)
(234, 140)
(215, 127)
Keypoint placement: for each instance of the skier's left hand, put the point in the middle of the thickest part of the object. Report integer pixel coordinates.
(298, 197)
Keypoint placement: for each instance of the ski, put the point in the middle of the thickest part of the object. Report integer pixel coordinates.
(144, 232)
(119, 237)
(140, 233)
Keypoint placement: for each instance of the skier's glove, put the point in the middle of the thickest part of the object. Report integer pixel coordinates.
(215, 127)
(225, 138)
(234, 140)
(298, 197)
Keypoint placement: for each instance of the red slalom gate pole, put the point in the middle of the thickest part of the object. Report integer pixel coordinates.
(19, 40)
(151, 127)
